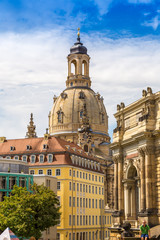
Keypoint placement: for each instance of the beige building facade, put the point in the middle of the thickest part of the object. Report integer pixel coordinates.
(136, 155)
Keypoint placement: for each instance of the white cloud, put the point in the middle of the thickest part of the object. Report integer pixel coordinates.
(33, 67)
(103, 6)
(154, 22)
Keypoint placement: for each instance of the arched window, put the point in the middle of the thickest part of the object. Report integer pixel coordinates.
(73, 67)
(84, 67)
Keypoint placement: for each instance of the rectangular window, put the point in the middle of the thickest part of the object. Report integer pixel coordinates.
(86, 220)
(73, 236)
(86, 202)
(96, 203)
(92, 203)
(83, 175)
(49, 172)
(110, 219)
(89, 188)
(96, 190)
(99, 234)
(102, 179)
(80, 202)
(107, 219)
(99, 190)
(80, 219)
(40, 171)
(96, 220)
(99, 203)
(58, 185)
(77, 202)
(73, 173)
(80, 174)
(69, 236)
(99, 220)
(92, 189)
(70, 172)
(89, 203)
(70, 185)
(89, 220)
(99, 179)
(73, 220)
(77, 187)
(96, 178)
(83, 187)
(73, 201)
(89, 176)
(80, 187)
(86, 176)
(83, 220)
(77, 174)
(70, 221)
(92, 177)
(102, 191)
(58, 172)
(89, 235)
(102, 203)
(77, 220)
(70, 201)
(86, 188)
(92, 235)
(73, 186)
(92, 220)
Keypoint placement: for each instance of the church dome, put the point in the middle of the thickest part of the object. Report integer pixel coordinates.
(78, 113)
(67, 111)
(78, 48)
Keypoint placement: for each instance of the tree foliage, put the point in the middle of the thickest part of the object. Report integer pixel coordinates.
(28, 214)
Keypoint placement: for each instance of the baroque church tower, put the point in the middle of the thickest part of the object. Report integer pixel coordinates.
(78, 114)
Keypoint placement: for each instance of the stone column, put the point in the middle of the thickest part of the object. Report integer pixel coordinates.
(115, 183)
(126, 200)
(143, 187)
(148, 175)
(120, 184)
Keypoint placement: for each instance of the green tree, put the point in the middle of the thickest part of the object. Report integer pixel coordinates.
(28, 214)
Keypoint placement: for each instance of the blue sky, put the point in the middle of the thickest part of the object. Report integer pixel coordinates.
(123, 41)
(115, 18)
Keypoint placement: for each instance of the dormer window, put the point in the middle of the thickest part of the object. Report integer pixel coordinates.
(50, 157)
(24, 158)
(28, 147)
(41, 158)
(12, 148)
(45, 146)
(16, 157)
(33, 158)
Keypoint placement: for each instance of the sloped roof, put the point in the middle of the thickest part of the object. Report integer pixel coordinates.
(59, 147)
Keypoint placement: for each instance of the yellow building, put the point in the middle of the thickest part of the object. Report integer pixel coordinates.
(80, 183)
